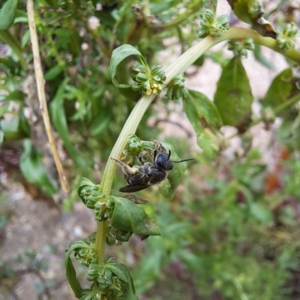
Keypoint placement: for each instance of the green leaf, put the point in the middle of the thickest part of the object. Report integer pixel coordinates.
(15, 95)
(7, 38)
(175, 176)
(279, 91)
(233, 97)
(209, 143)
(8, 13)
(85, 182)
(23, 124)
(58, 117)
(21, 17)
(100, 123)
(16, 128)
(203, 115)
(118, 55)
(200, 109)
(261, 213)
(128, 216)
(53, 72)
(70, 270)
(120, 271)
(33, 169)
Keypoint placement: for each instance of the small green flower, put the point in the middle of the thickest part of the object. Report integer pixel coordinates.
(86, 254)
(239, 48)
(286, 38)
(116, 235)
(211, 26)
(90, 194)
(136, 146)
(177, 89)
(148, 81)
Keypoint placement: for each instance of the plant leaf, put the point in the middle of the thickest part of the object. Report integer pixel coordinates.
(53, 72)
(7, 38)
(122, 272)
(203, 115)
(128, 216)
(33, 169)
(279, 91)
(8, 13)
(100, 123)
(70, 270)
(118, 55)
(200, 109)
(233, 97)
(58, 117)
(175, 176)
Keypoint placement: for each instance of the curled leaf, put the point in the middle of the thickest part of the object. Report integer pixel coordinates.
(118, 55)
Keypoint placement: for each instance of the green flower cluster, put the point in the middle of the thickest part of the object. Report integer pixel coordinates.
(148, 81)
(91, 197)
(211, 26)
(135, 146)
(239, 48)
(117, 235)
(286, 38)
(177, 89)
(90, 194)
(86, 253)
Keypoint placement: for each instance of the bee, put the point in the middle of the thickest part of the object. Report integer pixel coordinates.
(140, 177)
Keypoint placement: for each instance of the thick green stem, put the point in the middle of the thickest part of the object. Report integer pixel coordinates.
(176, 68)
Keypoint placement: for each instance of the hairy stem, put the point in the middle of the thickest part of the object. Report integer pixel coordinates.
(176, 68)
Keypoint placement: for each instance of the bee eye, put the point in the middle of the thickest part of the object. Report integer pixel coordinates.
(163, 162)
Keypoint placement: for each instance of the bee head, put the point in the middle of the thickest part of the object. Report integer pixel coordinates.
(163, 162)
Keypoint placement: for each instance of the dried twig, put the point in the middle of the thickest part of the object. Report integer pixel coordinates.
(41, 94)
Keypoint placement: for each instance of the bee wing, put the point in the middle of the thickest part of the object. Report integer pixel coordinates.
(133, 188)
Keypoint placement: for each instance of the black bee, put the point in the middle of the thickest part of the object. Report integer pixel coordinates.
(141, 177)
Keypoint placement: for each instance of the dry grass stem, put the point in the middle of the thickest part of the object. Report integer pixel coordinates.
(41, 94)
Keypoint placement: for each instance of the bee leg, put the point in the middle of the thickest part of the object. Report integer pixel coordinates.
(127, 170)
(141, 155)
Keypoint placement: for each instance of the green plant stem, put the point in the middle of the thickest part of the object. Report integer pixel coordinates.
(7, 38)
(176, 68)
(193, 9)
(117, 24)
(287, 103)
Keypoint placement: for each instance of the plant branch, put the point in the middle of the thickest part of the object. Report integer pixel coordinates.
(41, 94)
(176, 68)
(244, 33)
(190, 11)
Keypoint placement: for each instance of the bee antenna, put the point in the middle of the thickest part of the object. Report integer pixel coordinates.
(179, 161)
